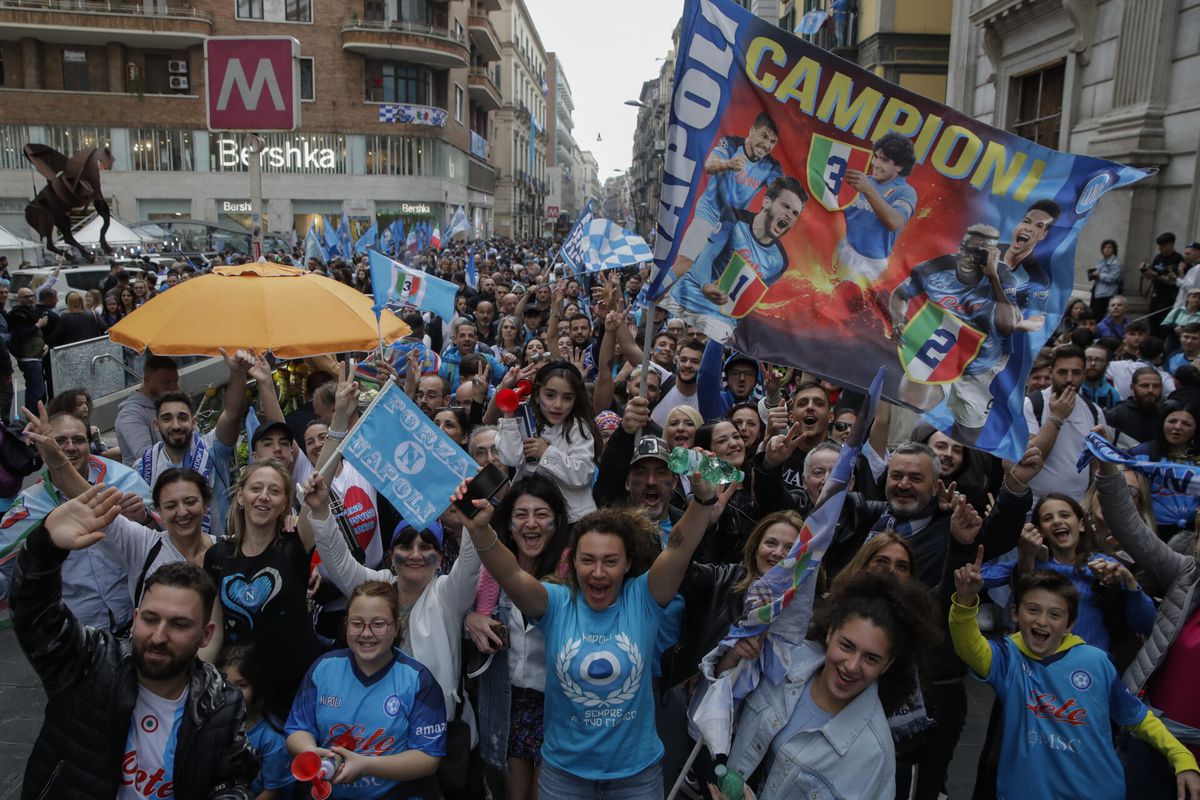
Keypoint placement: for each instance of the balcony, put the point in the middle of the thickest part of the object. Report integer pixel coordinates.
(486, 5)
(84, 22)
(484, 40)
(405, 41)
(482, 89)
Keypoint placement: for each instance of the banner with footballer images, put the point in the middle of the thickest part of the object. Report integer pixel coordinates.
(815, 215)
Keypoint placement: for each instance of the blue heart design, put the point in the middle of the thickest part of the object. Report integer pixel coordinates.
(247, 597)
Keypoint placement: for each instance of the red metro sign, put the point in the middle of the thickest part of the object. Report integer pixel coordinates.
(252, 84)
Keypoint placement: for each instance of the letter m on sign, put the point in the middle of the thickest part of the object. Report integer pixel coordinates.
(252, 84)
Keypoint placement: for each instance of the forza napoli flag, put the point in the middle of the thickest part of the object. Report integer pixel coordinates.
(828, 161)
(851, 197)
(937, 346)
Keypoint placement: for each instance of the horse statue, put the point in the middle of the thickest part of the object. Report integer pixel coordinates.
(72, 183)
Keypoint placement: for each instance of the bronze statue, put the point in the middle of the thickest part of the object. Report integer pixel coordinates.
(73, 183)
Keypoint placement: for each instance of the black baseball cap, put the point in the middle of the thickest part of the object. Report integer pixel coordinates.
(271, 427)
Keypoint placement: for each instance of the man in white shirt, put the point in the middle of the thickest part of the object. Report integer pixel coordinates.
(1150, 354)
(683, 392)
(1058, 423)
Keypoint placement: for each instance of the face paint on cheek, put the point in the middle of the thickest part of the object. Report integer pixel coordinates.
(431, 559)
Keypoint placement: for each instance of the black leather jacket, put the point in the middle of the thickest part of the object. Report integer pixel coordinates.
(710, 606)
(91, 688)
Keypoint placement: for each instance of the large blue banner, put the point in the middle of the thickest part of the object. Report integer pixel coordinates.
(815, 215)
(407, 457)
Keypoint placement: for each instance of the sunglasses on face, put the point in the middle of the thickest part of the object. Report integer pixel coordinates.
(842, 427)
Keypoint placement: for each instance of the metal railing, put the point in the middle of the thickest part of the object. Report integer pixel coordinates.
(122, 7)
(356, 23)
(480, 72)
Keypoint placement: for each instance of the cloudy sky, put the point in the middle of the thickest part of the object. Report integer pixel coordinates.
(607, 50)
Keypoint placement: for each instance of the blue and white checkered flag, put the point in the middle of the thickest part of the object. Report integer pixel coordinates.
(571, 252)
(609, 246)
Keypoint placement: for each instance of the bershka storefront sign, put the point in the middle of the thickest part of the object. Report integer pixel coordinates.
(292, 155)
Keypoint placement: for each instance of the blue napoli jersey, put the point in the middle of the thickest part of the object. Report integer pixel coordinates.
(735, 235)
(1057, 717)
(399, 708)
(735, 189)
(1032, 286)
(974, 305)
(274, 763)
(865, 232)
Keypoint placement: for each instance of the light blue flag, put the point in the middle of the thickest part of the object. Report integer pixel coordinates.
(606, 245)
(472, 272)
(369, 238)
(406, 457)
(534, 130)
(252, 423)
(571, 251)
(345, 243)
(313, 247)
(330, 237)
(394, 283)
(458, 224)
(397, 243)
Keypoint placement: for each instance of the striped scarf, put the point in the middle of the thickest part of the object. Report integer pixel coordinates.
(154, 462)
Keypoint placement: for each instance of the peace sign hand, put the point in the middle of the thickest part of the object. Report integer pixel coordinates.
(968, 581)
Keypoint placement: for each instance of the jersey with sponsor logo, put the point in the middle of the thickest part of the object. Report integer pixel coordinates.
(742, 266)
(735, 188)
(599, 701)
(148, 767)
(973, 304)
(1058, 713)
(399, 708)
(865, 231)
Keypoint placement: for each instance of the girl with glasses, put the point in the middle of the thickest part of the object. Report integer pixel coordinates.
(373, 688)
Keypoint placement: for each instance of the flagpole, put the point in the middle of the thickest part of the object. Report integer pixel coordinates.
(687, 765)
(647, 343)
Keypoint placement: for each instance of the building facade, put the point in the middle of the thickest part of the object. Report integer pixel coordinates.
(649, 146)
(398, 99)
(565, 160)
(1117, 79)
(520, 125)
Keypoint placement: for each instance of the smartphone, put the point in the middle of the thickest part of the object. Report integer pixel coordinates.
(484, 486)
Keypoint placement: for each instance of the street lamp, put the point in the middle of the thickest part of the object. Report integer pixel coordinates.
(636, 104)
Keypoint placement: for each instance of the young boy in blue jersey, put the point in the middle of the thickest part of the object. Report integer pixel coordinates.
(263, 731)
(743, 258)
(884, 204)
(1060, 696)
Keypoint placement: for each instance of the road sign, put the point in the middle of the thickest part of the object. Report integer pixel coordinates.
(252, 84)
(552, 213)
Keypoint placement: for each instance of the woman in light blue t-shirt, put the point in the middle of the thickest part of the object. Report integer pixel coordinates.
(600, 626)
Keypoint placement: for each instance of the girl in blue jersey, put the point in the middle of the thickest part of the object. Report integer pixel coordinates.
(565, 446)
(263, 730)
(1060, 696)
(382, 703)
(1174, 510)
(601, 631)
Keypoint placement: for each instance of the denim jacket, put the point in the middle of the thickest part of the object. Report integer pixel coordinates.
(495, 686)
(850, 758)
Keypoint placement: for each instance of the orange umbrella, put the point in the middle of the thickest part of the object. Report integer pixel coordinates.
(266, 306)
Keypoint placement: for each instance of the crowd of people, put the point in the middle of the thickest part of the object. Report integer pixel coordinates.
(201, 615)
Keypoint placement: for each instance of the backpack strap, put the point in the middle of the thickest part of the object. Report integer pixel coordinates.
(155, 549)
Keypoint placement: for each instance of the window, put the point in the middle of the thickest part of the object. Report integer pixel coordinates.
(13, 139)
(75, 71)
(459, 33)
(375, 10)
(458, 102)
(1037, 104)
(415, 11)
(68, 140)
(250, 9)
(161, 150)
(298, 11)
(403, 155)
(1, 66)
(397, 82)
(308, 78)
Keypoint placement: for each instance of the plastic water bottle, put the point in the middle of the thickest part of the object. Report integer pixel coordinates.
(729, 782)
(714, 470)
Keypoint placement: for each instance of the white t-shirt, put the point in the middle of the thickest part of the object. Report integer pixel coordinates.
(148, 768)
(671, 399)
(1058, 471)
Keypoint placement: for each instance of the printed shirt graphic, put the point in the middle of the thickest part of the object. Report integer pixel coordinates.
(740, 264)
(828, 162)
(399, 708)
(148, 766)
(937, 346)
(735, 188)
(1057, 716)
(975, 305)
(599, 721)
(865, 232)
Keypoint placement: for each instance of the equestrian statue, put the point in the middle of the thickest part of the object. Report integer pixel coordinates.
(72, 183)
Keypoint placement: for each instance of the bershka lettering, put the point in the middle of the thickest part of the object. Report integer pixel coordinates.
(375, 744)
(147, 784)
(1046, 706)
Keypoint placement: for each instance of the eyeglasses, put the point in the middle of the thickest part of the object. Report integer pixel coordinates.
(78, 441)
(842, 427)
(377, 626)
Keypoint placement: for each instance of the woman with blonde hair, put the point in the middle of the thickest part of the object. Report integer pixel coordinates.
(261, 572)
(75, 323)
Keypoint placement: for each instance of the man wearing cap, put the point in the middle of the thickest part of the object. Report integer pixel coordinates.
(649, 482)
(741, 381)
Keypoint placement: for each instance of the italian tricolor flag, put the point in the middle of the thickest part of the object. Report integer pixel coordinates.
(937, 346)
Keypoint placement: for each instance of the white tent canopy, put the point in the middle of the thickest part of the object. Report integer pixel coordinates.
(120, 234)
(18, 249)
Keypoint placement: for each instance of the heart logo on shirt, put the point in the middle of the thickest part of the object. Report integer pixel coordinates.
(247, 597)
